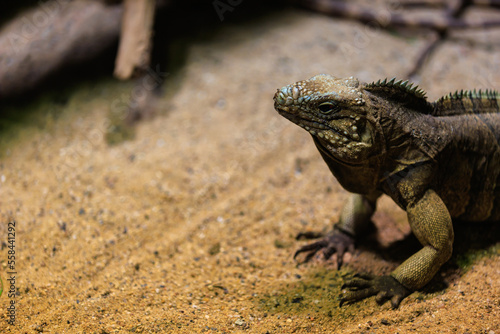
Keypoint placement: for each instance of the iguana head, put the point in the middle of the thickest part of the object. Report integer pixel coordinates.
(333, 111)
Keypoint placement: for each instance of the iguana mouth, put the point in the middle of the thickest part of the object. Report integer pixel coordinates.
(303, 122)
(316, 128)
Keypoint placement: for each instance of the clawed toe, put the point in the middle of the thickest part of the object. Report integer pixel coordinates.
(337, 242)
(311, 248)
(385, 288)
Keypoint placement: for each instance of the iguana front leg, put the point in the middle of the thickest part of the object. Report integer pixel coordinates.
(354, 220)
(431, 223)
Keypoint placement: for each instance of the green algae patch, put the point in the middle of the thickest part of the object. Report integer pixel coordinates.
(474, 242)
(466, 260)
(118, 129)
(314, 295)
(60, 111)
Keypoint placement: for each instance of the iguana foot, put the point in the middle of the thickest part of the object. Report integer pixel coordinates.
(337, 242)
(362, 286)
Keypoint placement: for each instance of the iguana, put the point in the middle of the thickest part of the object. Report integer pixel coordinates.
(437, 160)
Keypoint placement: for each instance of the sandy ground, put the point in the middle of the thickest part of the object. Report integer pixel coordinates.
(189, 227)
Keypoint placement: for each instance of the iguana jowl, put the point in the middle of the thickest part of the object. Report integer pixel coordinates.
(437, 160)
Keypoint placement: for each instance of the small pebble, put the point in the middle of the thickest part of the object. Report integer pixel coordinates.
(240, 322)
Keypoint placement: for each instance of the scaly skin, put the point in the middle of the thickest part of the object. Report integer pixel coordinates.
(437, 161)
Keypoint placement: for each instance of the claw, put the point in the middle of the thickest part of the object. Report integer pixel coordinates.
(328, 252)
(386, 288)
(382, 297)
(357, 284)
(340, 262)
(350, 297)
(337, 242)
(312, 248)
(395, 301)
(364, 276)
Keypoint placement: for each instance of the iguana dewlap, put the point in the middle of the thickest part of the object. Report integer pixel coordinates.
(437, 160)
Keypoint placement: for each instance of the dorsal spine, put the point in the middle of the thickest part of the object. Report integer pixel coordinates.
(467, 102)
(472, 94)
(403, 86)
(401, 92)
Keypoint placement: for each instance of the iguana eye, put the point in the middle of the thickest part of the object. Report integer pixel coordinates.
(328, 107)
